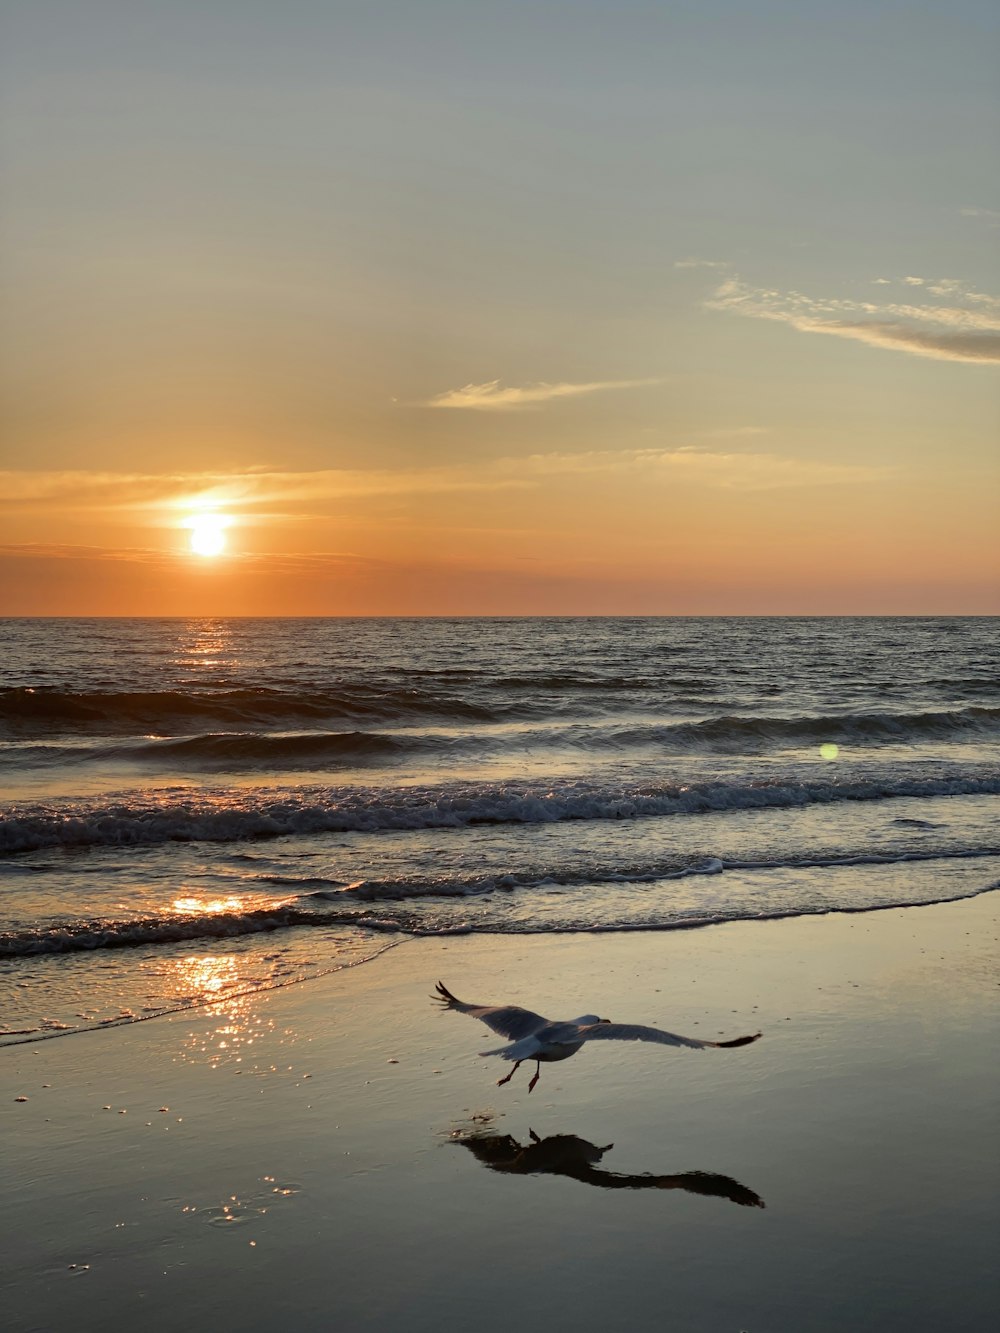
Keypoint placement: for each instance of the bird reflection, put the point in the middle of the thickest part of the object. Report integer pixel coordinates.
(568, 1155)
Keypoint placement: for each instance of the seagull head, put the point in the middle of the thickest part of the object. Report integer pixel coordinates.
(588, 1020)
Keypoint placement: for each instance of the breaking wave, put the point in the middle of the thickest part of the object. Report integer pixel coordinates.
(370, 810)
(81, 936)
(445, 907)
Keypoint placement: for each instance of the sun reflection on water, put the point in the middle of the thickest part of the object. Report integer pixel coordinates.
(209, 906)
(226, 985)
(204, 976)
(234, 1018)
(207, 644)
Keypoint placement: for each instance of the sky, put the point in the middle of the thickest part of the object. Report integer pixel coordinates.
(430, 307)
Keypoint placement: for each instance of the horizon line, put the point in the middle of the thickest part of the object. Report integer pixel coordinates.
(553, 615)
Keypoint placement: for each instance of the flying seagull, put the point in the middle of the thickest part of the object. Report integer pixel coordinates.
(533, 1037)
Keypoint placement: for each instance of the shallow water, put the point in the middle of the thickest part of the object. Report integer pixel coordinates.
(306, 1149)
(285, 797)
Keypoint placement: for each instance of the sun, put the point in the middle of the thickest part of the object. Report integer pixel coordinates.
(208, 533)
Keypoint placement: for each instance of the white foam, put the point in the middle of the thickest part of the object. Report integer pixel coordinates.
(370, 810)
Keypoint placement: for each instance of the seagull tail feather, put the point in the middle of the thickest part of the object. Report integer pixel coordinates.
(505, 1052)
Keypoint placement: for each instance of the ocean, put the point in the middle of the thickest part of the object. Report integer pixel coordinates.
(195, 810)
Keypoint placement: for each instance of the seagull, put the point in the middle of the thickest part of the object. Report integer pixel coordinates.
(533, 1037)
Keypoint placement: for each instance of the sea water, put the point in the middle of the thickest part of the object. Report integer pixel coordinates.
(197, 809)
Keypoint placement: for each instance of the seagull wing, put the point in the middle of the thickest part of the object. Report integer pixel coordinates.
(509, 1020)
(634, 1032)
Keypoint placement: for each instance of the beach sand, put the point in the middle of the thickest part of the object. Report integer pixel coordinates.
(266, 1164)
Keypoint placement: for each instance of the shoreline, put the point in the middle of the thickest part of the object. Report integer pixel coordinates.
(30, 1036)
(295, 1149)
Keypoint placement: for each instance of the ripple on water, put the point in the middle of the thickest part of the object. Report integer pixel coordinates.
(237, 1211)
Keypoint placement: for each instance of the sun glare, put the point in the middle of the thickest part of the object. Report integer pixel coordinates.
(208, 533)
(208, 906)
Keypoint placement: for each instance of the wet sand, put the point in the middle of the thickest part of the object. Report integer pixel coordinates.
(336, 1156)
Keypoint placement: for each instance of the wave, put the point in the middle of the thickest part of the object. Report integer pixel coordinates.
(252, 750)
(966, 684)
(84, 936)
(38, 712)
(739, 731)
(239, 751)
(208, 716)
(258, 815)
(351, 907)
(584, 681)
(404, 890)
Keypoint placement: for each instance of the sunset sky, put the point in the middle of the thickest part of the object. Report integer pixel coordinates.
(467, 307)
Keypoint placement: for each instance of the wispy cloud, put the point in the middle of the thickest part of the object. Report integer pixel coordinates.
(735, 433)
(742, 471)
(991, 216)
(701, 263)
(65, 551)
(958, 324)
(495, 397)
(305, 564)
(77, 491)
(289, 499)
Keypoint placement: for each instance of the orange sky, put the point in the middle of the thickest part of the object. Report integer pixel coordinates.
(630, 318)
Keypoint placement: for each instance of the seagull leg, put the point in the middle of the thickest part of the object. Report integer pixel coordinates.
(536, 1076)
(502, 1081)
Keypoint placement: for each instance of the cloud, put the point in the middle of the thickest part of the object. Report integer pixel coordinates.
(77, 491)
(983, 347)
(701, 263)
(967, 328)
(742, 471)
(300, 563)
(289, 499)
(493, 397)
(735, 433)
(991, 216)
(64, 551)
